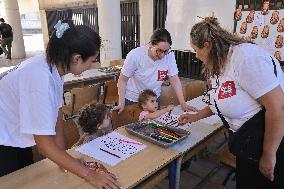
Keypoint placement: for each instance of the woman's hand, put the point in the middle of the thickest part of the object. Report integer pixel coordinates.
(102, 180)
(185, 118)
(267, 164)
(119, 107)
(186, 107)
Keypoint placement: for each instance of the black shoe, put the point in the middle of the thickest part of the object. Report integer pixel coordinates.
(8, 58)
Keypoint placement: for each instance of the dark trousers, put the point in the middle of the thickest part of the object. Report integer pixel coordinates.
(248, 175)
(7, 42)
(13, 158)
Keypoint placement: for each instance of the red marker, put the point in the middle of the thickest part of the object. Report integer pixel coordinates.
(130, 142)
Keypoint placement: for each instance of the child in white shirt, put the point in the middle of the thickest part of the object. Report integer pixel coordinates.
(94, 121)
(148, 101)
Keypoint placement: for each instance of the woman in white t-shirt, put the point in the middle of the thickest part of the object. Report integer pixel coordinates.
(245, 78)
(31, 99)
(146, 67)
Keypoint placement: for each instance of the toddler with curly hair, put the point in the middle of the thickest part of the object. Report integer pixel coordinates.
(94, 121)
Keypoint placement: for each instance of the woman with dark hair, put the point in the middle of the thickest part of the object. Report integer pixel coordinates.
(247, 94)
(146, 67)
(31, 99)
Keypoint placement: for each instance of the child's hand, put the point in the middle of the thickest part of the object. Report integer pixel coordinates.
(87, 138)
(170, 107)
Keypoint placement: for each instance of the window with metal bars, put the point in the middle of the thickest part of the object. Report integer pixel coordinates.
(87, 16)
(160, 13)
(188, 65)
(130, 26)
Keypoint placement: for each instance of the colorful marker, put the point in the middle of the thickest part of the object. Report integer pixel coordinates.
(130, 142)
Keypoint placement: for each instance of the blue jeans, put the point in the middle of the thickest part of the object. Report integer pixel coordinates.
(129, 102)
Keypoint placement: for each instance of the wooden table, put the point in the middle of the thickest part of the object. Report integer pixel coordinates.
(148, 166)
(131, 172)
(88, 77)
(201, 135)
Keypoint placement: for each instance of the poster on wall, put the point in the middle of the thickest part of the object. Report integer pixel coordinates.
(264, 27)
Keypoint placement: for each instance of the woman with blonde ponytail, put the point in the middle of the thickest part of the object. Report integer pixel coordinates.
(247, 94)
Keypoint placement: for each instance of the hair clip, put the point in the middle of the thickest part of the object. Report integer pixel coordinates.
(201, 17)
(60, 28)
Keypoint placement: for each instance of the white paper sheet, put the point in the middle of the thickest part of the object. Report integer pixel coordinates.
(171, 120)
(111, 148)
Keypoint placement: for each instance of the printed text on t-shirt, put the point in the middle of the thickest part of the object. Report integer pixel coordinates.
(162, 74)
(227, 90)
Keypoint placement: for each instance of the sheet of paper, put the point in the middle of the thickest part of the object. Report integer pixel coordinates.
(111, 148)
(168, 119)
(171, 120)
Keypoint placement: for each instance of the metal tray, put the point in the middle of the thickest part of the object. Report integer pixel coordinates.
(145, 129)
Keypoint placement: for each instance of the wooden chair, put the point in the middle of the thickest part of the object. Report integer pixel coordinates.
(168, 96)
(80, 97)
(110, 93)
(71, 133)
(129, 115)
(117, 62)
(71, 136)
(194, 89)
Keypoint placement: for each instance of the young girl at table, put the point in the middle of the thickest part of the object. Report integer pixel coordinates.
(31, 100)
(148, 101)
(94, 121)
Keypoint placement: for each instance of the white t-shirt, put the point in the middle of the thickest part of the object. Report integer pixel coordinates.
(249, 74)
(30, 97)
(144, 73)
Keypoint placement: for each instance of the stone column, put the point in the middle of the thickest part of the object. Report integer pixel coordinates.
(110, 30)
(13, 18)
(146, 20)
(43, 21)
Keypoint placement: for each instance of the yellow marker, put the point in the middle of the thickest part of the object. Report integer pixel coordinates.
(168, 135)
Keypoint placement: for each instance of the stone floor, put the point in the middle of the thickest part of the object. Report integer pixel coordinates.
(196, 175)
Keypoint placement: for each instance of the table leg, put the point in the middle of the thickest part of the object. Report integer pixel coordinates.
(178, 169)
(172, 174)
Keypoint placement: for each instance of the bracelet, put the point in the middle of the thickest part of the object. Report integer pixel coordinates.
(86, 173)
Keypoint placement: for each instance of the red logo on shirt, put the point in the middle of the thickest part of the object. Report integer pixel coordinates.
(162, 74)
(227, 90)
